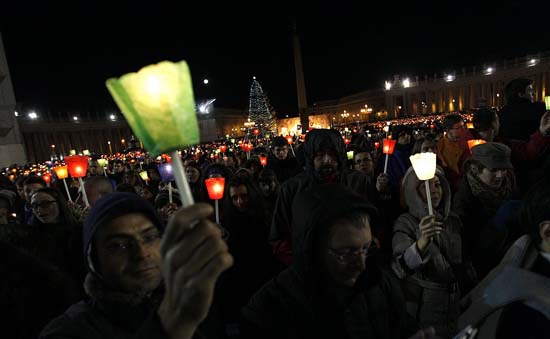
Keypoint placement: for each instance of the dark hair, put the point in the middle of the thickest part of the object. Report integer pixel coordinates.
(118, 161)
(483, 119)
(279, 141)
(65, 216)
(256, 201)
(417, 148)
(20, 182)
(450, 120)
(34, 180)
(536, 209)
(514, 87)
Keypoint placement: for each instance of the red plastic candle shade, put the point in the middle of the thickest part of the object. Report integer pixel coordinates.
(347, 141)
(470, 125)
(376, 144)
(61, 172)
(223, 148)
(248, 147)
(215, 187)
(472, 143)
(78, 165)
(263, 161)
(256, 132)
(388, 146)
(47, 178)
(289, 140)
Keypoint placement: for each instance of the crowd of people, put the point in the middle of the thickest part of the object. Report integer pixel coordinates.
(327, 238)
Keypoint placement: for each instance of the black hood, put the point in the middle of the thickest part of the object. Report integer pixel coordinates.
(313, 211)
(318, 139)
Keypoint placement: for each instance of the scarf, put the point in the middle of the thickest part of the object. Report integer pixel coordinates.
(491, 198)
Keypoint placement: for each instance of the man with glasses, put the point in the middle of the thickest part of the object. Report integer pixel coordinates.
(334, 287)
(144, 280)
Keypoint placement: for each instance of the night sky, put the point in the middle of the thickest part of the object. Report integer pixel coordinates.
(59, 61)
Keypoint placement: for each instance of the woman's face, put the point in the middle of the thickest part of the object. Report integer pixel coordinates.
(45, 208)
(192, 174)
(436, 191)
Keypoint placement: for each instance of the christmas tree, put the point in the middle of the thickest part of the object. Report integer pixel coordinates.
(259, 110)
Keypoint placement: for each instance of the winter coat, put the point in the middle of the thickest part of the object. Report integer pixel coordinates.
(431, 281)
(485, 237)
(107, 314)
(518, 120)
(284, 169)
(358, 182)
(302, 303)
(453, 155)
(31, 293)
(254, 264)
(519, 319)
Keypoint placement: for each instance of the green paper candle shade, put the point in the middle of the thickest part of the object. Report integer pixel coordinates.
(159, 105)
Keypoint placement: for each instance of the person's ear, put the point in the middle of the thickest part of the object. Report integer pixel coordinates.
(544, 231)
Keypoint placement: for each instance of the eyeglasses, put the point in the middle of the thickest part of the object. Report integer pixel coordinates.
(347, 256)
(123, 246)
(43, 204)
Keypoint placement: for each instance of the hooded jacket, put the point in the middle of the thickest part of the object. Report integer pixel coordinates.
(301, 303)
(356, 181)
(431, 279)
(108, 313)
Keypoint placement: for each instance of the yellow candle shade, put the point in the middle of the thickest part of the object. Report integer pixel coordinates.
(158, 103)
(475, 142)
(62, 172)
(144, 175)
(350, 155)
(103, 162)
(72, 152)
(86, 152)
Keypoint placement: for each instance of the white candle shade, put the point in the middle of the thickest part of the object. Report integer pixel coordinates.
(424, 165)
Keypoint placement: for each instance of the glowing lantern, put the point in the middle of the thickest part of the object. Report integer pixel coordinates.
(166, 172)
(376, 144)
(159, 105)
(263, 160)
(388, 146)
(61, 172)
(256, 132)
(143, 175)
(347, 141)
(103, 162)
(472, 143)
(86, 152)
(47, 179)
(215, 187)
(432, 126)
(547, 102)
(350, 155)
(78, 165)
(223, 148)
(289, 140)
(387, 149)
(470, 125)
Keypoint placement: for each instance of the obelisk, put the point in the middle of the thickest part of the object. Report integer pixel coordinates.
(300, 83)
(11, 143)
